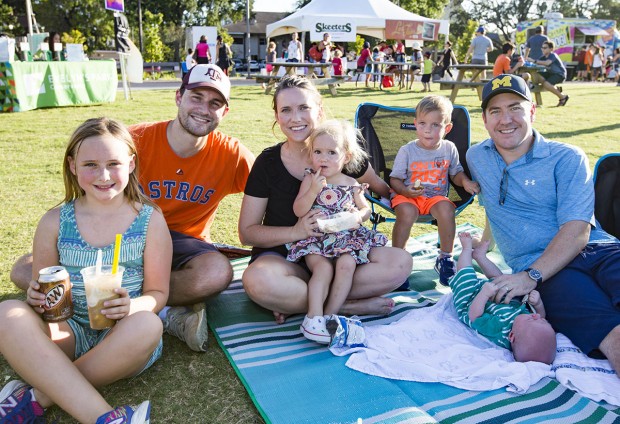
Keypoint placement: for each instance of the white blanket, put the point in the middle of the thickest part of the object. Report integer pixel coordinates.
(432, 345)
(592, 378)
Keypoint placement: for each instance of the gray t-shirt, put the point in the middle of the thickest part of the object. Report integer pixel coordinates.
(431, 167)
(481, 43)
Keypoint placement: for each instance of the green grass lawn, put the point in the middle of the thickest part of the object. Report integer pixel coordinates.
(187, 387)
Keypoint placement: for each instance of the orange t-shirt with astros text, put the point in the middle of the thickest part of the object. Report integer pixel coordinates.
(189, 190)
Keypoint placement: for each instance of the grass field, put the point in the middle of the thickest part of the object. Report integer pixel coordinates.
(187, 387)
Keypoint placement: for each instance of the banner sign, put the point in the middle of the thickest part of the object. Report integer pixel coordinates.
(411, 30)
(340, 29)
(121, 29)
(49, 84)
(115, 5)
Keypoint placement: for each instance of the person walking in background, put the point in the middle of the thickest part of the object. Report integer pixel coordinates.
(582, 72)
(615, 60)
(202, 55)
(588, 61)
(598, 58)
(102, 199)
(417, 62)
(427, 72)
(533, 46)
(448, 59)
(364, 62)
(223, 55)
(189, 60)
(554, 74)
(270, 56)
(294, 49)
(325, 47)
(479, 48)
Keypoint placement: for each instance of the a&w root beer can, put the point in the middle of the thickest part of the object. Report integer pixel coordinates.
(56, 287)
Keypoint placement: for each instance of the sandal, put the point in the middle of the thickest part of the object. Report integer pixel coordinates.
(563, 101)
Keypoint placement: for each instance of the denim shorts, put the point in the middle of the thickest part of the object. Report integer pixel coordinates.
(582, 301)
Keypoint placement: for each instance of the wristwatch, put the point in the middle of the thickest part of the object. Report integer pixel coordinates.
(534, 274)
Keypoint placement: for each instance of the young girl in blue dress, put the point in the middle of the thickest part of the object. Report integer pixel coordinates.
(333, 256)
(63, 363)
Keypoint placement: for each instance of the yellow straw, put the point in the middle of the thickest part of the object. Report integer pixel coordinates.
(117, 253)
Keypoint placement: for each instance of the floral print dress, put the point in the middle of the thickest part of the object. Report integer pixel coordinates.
(358, 242)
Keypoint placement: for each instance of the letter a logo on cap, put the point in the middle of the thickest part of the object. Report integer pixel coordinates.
(502, 82)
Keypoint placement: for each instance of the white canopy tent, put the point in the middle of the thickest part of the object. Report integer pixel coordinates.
(367, 16)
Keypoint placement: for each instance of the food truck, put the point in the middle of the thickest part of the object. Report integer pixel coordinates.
(569, 35)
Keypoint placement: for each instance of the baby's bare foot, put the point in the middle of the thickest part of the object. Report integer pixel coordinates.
(465, 238)
(481, 249)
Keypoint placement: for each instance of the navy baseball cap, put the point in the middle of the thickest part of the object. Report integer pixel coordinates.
(505, 83)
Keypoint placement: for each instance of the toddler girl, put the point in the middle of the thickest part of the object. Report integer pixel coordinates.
(332, 257)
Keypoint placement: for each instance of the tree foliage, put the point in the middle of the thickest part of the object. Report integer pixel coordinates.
(505, 14)
(8, 20)
(154, 48)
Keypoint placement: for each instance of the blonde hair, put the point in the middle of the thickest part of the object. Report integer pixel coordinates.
(99, 127)
(346, 138)
(271, 46)
(434, 103)
(337, 53)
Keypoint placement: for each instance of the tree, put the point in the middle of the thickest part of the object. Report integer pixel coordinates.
(505, 14)
(426, 8)
(8, 20)
(606, 9)
(154, 49)
(87, 16)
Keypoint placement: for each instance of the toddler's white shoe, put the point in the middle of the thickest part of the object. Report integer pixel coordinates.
(314, 329)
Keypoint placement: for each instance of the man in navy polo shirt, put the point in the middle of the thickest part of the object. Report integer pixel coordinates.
(539, 199)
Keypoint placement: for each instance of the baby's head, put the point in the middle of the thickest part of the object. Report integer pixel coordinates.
(532, 339)
(344, 136)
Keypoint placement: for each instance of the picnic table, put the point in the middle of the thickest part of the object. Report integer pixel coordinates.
(291, 69)
(469, 76)
(538, 88)
(474, 76)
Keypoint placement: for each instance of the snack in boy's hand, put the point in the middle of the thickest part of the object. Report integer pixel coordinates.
(417, 184)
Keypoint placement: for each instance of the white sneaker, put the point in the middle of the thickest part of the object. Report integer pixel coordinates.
(189, 325)
(314, 329)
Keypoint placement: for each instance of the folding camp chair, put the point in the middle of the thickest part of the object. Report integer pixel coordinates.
(385, 129)
(607, 193)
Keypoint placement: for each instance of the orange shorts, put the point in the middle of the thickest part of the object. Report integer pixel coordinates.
(424, 204)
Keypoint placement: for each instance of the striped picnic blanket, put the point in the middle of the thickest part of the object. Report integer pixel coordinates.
(293, 380)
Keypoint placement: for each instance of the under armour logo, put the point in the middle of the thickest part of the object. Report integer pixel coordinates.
(530, 182)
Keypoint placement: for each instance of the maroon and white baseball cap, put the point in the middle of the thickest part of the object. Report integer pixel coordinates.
(210, 76)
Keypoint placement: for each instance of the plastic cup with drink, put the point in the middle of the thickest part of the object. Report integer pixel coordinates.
(100, 281)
